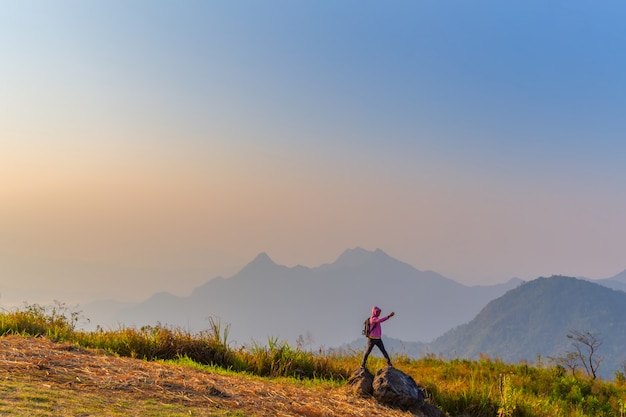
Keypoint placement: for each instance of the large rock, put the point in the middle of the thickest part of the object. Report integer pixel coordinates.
(361, 382)
(394, 388)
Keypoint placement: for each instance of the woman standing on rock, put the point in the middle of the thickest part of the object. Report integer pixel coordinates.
(374, 336)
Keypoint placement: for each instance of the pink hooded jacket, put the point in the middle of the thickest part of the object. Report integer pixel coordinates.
(376, 330)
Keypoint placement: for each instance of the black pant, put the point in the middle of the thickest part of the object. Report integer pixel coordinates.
(370, 345)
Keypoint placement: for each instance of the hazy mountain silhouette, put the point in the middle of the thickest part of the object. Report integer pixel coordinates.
(326, 304)
(535, 318)
(618, 282)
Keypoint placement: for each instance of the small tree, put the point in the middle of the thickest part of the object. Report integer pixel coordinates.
(570, 361)
(586, 345)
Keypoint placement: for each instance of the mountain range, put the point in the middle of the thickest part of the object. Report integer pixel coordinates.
(325, 305)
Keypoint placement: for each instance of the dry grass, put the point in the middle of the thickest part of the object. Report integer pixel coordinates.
(92, 383)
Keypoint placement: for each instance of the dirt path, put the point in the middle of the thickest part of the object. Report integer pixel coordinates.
(66, 366)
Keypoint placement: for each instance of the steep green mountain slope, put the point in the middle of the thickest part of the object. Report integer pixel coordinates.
(535, 319)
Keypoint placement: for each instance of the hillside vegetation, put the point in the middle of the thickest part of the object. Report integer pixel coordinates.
(49, 368)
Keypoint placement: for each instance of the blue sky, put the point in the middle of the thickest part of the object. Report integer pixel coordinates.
(482, 140)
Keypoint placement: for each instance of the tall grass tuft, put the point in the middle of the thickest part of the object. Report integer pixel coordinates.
(160, 343)
(278, 358)
(56, 322)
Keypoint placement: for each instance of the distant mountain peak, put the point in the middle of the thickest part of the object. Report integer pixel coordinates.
(359, 256)
(261, 263)
(263, 259)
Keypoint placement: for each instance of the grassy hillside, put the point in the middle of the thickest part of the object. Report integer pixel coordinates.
(39, 377)
(48, 368)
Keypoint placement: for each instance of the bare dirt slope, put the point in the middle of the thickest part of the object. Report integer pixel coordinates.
(64, 366)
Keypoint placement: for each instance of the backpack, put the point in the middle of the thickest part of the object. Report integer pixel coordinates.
(366, 328)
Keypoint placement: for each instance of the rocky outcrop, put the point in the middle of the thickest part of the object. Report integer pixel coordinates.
(361, 382)
(394, 388)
